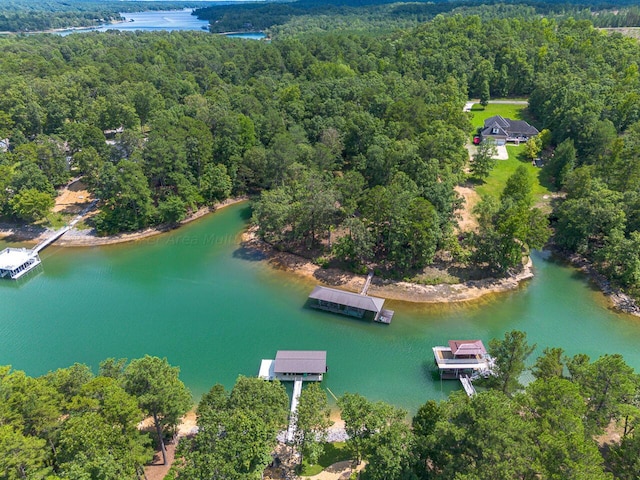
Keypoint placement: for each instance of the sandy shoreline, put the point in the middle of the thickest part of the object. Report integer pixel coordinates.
(417, 293)
(89, 238)
(468, 291)
(389, 289)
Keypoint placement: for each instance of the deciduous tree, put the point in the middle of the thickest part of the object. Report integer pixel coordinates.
(160, 393)
(312, 421)
(510, 355)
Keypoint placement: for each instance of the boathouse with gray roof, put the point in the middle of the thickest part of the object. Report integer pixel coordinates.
(349, 303)
(295, 366)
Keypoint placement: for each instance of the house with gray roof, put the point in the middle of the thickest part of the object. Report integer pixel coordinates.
(507, 130)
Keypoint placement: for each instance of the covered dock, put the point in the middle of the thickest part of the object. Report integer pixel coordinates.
(16, 262)
(350, 304)
(289, 365)
(295, 366)
(462, 357)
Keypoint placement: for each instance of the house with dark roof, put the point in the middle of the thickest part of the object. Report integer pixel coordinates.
(506, 130)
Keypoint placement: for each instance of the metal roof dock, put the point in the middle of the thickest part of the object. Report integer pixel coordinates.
(349, 303)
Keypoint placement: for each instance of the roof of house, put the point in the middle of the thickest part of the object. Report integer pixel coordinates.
(364, 302)
(301, 361)
(508, 127)
(467, 347)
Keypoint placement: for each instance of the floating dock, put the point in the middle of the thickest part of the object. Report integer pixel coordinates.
(16, 262)
(350, 304)
(295, 366)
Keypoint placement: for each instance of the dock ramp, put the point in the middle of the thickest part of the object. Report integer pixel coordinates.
(467, 385)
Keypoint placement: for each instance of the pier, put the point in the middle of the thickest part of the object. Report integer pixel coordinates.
(16, 262)
(464, 360)
(295, 366)
(467, 385)
(367, 284)
(295, 397)
(52, 238)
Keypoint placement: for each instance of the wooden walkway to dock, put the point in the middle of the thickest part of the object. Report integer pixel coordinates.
(48, 241)
(367, 284)
(385, 314)
(467, 385)
(295, 397)
(58, 233)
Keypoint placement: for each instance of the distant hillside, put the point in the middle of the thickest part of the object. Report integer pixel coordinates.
(29, 16)
(262, 16)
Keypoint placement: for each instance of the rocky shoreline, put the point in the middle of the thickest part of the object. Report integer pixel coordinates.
(619, 300)
(390, 289)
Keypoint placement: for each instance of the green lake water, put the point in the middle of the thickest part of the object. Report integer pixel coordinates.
(195, 297)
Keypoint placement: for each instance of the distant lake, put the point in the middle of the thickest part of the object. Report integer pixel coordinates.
(166, 20)
(151, 21)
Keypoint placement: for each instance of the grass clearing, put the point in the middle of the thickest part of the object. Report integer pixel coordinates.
(55, 220)
(333, 452)
(496, 181)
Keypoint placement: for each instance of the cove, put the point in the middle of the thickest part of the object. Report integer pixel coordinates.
(149, 21)
(213, 309)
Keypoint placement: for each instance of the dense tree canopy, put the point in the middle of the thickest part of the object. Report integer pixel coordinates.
(72, 424)
(69, 424)
(354, 142)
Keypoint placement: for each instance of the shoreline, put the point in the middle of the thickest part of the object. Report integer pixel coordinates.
(395, 290)
(389, 289)
(88, 238)
(469, 291)
(620, 301)
(64, 29)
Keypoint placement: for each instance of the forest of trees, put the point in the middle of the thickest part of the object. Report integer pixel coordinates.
(354, 142)
(71, 424)
(304, 16)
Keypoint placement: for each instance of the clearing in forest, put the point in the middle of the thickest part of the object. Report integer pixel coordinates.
(494, 184)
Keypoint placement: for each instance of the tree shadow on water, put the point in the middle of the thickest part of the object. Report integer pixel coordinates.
(250, 254)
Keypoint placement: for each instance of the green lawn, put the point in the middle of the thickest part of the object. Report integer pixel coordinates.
(504, 169)
(494, 184)
(333, 452)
